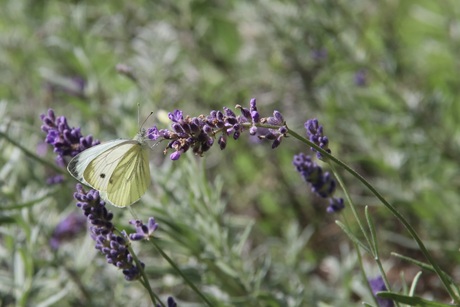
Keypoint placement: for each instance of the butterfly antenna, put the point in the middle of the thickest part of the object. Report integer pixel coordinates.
(139, 115)
(146, 119)
(156, 143)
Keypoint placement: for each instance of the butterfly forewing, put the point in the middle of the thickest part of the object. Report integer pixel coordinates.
(99, 172)
(80, 162)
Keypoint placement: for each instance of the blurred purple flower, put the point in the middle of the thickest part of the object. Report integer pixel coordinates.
(319, 54)
(377, 284)
(55, 179)
(67, 229)
(321, 182)
(74, 86)
(170, 302)
(361, 77)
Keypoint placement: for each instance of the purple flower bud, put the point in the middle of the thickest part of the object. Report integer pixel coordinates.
(335, 205)
(208, 130)
(283, 130)
(228, 112)
(220, 116)
(252, 104)
(278, 116)
(244, 112)
(178, 128)
(176, 116)
(255, 117)
(175, 155)
(276, 142)
(315, 135)
(222, 142)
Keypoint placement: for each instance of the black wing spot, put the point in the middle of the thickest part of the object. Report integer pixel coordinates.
(102, 175)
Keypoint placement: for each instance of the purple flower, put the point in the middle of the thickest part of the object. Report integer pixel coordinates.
(321, 182)
(55, 179)
(199, 133)
(66, 141)
(176, 116)
(315, 135)
(377, 284)
(67, 229)
(170, 302)
(335, 205)
(102, 230)
(143, 232)
(275, 134)
(74, 86)
(361, 78)
(319, 54)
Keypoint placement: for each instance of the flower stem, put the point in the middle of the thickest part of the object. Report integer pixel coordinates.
(176, 268)
(389, 206)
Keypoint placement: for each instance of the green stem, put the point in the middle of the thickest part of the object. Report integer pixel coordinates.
(30, 154)
(144, 281)
(390, 207)
(352, 205)
(176, 268)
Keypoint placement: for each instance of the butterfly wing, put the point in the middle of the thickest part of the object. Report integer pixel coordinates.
(130, 179)
(80, 162)
(118, 169)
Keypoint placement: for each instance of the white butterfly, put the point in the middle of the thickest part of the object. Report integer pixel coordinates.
(118, 169)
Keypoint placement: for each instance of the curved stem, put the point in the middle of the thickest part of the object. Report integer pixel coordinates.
(144, 281)
(176, 268)
(30, 154)
(389, 206)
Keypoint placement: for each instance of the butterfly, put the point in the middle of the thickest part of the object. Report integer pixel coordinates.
(118, 169)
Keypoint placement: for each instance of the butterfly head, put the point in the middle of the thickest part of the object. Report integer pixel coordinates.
(141, 136)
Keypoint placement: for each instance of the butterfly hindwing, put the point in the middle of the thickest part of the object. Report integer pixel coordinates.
(130, 179)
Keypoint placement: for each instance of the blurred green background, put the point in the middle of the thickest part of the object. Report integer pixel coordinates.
(380, 76)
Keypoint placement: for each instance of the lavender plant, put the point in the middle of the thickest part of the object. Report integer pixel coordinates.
(199, 134)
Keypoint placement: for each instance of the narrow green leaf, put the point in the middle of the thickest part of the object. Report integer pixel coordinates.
(410, 300)
(353, 237)
(374, 246)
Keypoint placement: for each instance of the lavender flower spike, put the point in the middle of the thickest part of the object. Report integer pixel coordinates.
(102, 230)
(321, 182)
(67, 229)
(66, 141)
(199, 133)
(315, 135)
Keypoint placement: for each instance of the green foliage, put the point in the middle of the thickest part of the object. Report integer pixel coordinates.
(239, 223)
